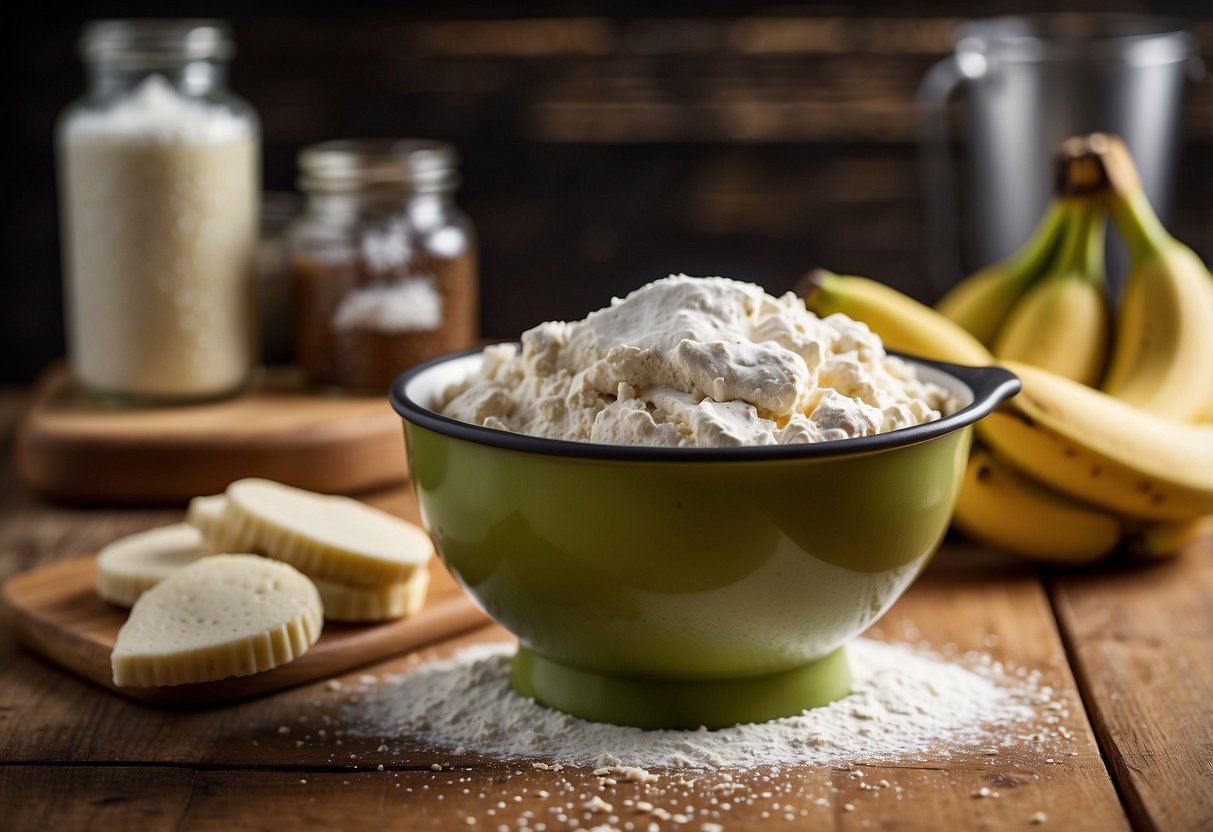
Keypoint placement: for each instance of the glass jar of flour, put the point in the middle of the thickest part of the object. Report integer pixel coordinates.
(384, 263)
(159, 168)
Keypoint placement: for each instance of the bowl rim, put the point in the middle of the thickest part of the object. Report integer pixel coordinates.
(989, 385)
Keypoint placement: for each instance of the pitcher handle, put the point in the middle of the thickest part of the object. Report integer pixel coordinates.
(1196, 69)
(937, 87)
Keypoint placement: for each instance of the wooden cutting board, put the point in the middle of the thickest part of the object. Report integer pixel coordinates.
(54, 611)
(73, 447)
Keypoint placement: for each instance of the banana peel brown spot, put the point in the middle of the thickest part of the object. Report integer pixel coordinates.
(984, 472)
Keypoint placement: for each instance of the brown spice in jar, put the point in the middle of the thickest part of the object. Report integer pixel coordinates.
(371, 356)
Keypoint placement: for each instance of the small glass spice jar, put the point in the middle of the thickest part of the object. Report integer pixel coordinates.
(275, 294)
(383, 262)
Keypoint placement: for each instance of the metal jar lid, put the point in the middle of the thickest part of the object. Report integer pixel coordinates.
(353, 165)
(153, 41)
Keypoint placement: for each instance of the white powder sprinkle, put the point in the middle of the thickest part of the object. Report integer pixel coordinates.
(598, 806)
(631, 774)
(902, 704)
(410, 305)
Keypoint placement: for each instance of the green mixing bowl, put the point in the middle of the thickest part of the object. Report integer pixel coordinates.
(679, 587)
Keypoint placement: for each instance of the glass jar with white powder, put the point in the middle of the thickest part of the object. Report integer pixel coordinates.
(384, 262)
(159, 168)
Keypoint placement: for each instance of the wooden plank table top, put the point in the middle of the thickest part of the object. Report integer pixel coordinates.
(1127, 655)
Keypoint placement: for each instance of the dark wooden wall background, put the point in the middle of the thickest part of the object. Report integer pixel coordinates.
(604, 144)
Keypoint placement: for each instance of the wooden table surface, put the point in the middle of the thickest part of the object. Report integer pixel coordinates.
(1128, 652)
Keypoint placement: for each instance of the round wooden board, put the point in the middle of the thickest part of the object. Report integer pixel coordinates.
(75, 448)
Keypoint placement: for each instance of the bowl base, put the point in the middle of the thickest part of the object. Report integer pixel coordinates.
(646, 702)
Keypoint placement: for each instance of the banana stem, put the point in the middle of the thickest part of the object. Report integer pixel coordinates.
(812, 285)
(1140, 228)
(1090, 256)
(1076, 250)
(1042, 244)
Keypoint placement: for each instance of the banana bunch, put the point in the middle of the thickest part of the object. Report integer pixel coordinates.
(1162, 360)
(1110, 442)
(1047, 305)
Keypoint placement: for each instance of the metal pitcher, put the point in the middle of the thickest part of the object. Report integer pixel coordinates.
(1029, 83)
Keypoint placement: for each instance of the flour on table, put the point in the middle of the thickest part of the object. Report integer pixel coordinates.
(904, 704)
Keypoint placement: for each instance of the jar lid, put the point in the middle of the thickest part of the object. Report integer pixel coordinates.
(348, 165)
(151, 41)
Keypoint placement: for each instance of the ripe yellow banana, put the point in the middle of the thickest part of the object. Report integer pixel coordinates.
(901, 322)
(1205, 412)
(1062, 321)
(1162, 361)
(1164, 540)
(981, 302)
(1001, 507)
(1102, 451)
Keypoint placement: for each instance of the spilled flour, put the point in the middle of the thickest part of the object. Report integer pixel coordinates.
(904, 704)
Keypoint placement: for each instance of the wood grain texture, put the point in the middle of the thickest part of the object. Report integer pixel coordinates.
(73, 447)
(55, 611)
(519, 797)
(240, 766)
(102, 797)
(1141, 642)
(969, 600)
